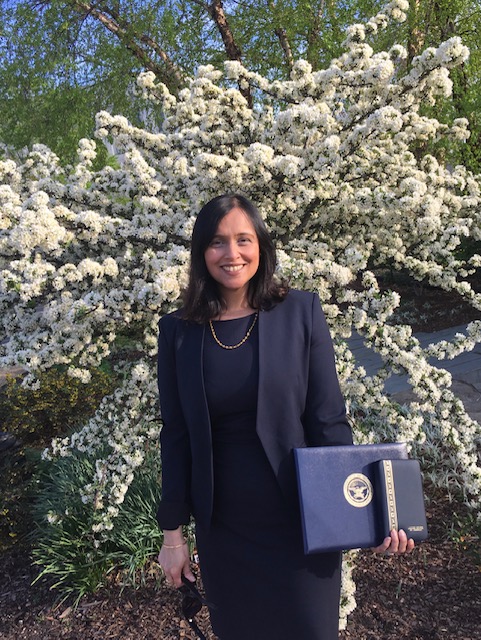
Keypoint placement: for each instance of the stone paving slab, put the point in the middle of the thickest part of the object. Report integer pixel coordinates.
(465, 367)
(469, 394)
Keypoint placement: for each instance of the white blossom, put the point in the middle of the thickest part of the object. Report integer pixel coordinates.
(329, 158)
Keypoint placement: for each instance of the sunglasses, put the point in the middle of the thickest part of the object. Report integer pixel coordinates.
(192, 603)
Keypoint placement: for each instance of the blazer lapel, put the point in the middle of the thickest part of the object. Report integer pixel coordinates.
(191, 378)
(274, 422)
(194, 404)
(267, 424)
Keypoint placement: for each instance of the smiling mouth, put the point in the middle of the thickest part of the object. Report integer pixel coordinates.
(232, 268)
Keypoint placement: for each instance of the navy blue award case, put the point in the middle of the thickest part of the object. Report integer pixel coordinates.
(400, 498)
(340, 506)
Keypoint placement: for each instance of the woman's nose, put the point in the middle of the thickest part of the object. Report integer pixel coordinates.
(231, 248)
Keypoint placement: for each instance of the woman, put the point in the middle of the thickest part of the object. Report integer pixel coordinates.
(247, 373)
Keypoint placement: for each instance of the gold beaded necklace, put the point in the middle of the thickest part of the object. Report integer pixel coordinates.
(239, 344)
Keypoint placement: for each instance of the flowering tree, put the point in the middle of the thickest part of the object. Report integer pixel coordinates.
(329, 158)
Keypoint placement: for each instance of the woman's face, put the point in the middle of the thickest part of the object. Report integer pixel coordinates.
(232, 257)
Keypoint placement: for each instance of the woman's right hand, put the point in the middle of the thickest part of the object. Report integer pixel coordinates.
(174, 559)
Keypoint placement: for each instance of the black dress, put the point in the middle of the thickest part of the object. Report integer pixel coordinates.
(252, 562)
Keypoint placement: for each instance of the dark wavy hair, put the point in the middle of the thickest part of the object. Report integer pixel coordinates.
(202, 300)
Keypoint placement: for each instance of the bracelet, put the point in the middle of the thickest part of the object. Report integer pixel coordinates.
(174, 546)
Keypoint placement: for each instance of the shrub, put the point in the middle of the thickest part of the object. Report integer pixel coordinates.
(17, 468)
(55, 404)
(67, 547)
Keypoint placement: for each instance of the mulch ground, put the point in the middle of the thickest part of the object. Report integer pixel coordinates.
(433, 594)
(429, 309)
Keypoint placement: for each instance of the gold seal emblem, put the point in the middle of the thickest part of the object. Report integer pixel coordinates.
(358, 490)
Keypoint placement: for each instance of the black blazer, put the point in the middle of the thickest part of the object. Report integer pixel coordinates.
(299, 403)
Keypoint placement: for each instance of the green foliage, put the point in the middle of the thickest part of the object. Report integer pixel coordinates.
(466, 533)
(59, 64)
(57, 71)
(17, 468)
(53, 406)
(77, 559)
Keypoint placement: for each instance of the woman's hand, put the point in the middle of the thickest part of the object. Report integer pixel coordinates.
(174, 559)
(396, 543)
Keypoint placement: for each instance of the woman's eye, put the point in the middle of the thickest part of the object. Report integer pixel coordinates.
(215, 243)
(244, 240)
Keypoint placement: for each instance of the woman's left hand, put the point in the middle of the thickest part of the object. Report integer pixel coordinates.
(396, 543)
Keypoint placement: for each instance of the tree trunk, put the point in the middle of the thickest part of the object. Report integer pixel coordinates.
(233, 51)
(415, 34)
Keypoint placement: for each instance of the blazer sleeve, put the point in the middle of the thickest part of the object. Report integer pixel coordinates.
(325, 421)
(174, 509)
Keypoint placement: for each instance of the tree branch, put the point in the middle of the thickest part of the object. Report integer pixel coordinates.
(281, 34)
(216, 11)
(314, 32)
(169, 72)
